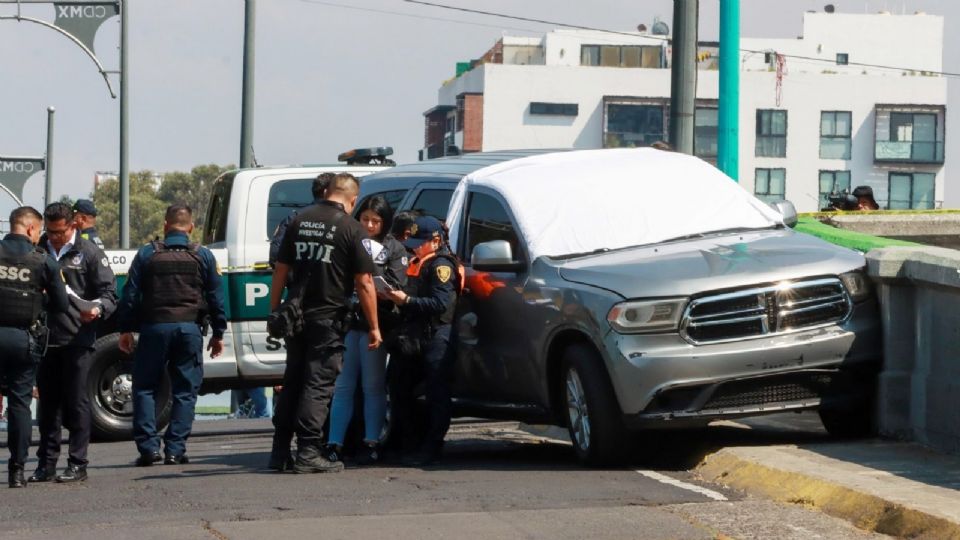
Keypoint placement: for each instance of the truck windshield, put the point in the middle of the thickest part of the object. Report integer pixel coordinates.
(285, 197)
(215, 229)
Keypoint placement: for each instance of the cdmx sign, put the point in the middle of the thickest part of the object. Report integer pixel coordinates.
(20, 166)
(15, 171)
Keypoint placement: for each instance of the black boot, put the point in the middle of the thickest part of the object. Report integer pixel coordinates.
(73, 473)
(310, 460)
(15, 477)
(42, 474)
(281, 458)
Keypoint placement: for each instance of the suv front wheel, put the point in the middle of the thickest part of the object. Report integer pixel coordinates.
(593, 415)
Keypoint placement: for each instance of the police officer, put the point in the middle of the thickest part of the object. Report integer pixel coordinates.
(427, 303)
(25, 273)
(324, 248)
(170, 287)
(85, 216)
(62, 377)
(319, 186)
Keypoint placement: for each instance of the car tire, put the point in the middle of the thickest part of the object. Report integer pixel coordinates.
(854, 416)
(849, 423)
(593, 416)
(109, 388)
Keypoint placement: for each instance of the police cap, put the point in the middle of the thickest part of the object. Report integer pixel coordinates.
(423, 229)
(85, 206)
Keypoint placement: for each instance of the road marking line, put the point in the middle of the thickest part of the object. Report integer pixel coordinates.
(664, 479)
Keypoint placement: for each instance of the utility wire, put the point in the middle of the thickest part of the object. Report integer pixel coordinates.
(416, 16)
(632, 34)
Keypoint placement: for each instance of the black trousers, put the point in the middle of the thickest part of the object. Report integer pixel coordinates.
(62, 382)
(314, 359)
(434, 368)
(18, 369)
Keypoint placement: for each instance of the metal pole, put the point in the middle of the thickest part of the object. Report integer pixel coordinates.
(48, 165)
(683, 75)
(729, 119)
(246, 116)
(124, 133)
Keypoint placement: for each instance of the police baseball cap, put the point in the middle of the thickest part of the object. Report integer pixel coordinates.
(85, 206)
(423, 229)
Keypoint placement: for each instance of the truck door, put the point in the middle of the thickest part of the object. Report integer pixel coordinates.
(271, 199)
(495, 359)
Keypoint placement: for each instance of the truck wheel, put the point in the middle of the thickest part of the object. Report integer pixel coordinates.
(593, 415)
(110, 389)
(852, 420)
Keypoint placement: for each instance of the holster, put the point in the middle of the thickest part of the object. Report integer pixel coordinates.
(40, 333)
(287, 320)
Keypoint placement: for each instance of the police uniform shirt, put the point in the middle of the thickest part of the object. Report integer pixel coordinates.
(56, 293)
(131, 302)
(90, 233)
(325, 246)
(433, 292)
(89, 278)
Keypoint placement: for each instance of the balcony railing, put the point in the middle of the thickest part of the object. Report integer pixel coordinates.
(909, 151)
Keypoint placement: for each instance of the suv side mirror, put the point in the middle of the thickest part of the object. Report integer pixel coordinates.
(788, 211)
(494, 256)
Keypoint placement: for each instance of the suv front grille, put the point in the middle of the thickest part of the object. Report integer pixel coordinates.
(765, 310)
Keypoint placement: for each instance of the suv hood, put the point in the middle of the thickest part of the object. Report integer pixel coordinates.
(727, 261)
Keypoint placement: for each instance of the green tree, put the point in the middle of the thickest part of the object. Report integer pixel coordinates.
(192, 188)
(146, 210)
(65, 199)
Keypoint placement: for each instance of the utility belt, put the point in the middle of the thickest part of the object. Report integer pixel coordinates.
(410, 338)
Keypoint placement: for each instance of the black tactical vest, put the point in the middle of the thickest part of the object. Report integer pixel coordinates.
(173, 284)
(21, 287)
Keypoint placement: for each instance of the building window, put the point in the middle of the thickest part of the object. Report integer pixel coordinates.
(705, 132)
(832, 183)
(842, 59)
(911, 191)
(629, 125)
(918, 130)
(835, 134)
(771, 133)
(770, 185)
(557, 109)
(634, 56)
(461, 109)
(906, 134)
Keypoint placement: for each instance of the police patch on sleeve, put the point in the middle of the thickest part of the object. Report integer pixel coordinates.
(444, 273)
(105, 262)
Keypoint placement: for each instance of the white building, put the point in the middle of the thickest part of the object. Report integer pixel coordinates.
(838, 121)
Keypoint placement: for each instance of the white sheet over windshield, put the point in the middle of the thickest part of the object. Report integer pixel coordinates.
(577, 202)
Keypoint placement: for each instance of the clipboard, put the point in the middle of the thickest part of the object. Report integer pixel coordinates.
(382, 285)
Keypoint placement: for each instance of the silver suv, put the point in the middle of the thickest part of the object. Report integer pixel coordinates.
(593, 302)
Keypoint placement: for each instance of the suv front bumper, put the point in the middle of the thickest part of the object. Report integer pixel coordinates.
(661, 378)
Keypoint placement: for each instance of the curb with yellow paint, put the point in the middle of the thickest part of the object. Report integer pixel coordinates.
(866, 511)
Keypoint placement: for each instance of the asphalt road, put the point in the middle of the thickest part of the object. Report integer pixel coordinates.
(497, 481)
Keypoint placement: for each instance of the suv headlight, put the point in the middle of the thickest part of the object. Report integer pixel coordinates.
(857, 285)
(647, 315)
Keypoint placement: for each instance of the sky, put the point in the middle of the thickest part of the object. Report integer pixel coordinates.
(328, 78)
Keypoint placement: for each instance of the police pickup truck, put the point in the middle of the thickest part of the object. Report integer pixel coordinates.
(245, 207)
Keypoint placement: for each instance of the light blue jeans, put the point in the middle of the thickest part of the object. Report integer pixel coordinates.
(370, 368)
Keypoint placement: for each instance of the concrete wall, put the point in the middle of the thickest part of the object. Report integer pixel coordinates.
(919, 389)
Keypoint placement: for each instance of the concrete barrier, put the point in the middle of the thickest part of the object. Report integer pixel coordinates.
(919, 389)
